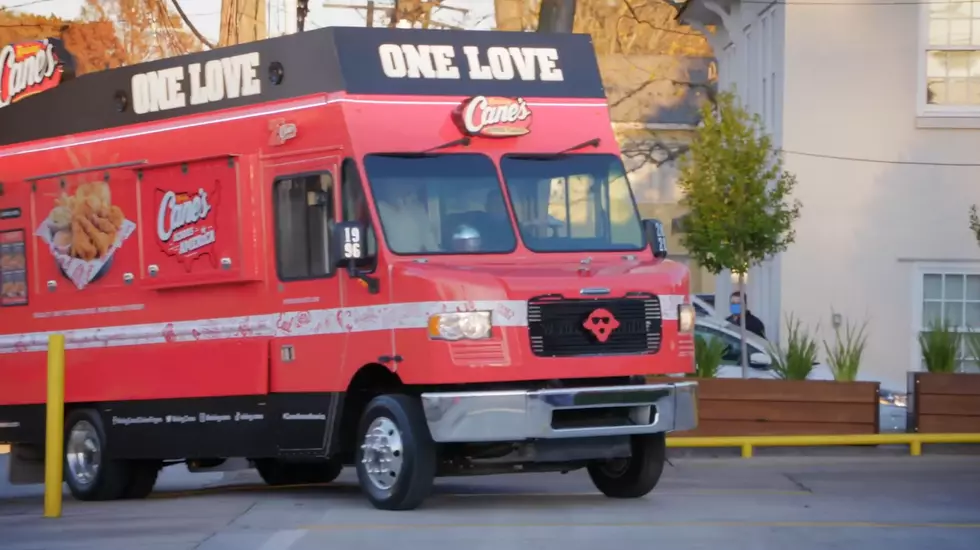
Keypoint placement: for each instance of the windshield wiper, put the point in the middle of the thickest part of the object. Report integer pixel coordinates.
(464, 141)
(594, 142)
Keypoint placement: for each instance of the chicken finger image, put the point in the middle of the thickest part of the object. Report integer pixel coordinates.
(81, 244)
(116, 216)
(101, 240)
(104, 225)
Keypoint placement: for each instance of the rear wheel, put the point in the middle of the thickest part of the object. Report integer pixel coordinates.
(143, 477)
(90, 475)
(396, 459)
(277, 473)
(635, 476)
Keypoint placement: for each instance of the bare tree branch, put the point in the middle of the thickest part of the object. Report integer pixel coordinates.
(193, 29)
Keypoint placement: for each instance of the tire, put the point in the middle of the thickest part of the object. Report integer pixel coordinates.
(143, 477)
(278, 473)
(409, 448)
(89, 475)
(636, 476)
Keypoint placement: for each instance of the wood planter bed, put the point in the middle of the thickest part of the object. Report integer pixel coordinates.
(740, 407)
(944, 403)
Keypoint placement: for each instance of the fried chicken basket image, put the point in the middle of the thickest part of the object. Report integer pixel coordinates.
(83, 230)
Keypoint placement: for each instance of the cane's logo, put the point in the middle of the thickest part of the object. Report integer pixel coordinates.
(494, 116)
(29, 68)
(601, 323)
(185, 223)
(281, 131)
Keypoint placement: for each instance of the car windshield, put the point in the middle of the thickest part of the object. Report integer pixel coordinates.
(440, 204)
(575, 202)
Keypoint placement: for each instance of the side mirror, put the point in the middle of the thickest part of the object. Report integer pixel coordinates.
(350, 243)
(656, 237)
(760, 359)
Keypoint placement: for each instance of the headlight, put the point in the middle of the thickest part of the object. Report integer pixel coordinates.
(470, 325)
(685, 318)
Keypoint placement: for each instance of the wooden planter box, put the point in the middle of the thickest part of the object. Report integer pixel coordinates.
(944, 403)
(736, 407)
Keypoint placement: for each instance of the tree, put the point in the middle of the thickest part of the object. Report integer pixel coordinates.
(147, 29)
(975, 223)
(621, 26)
(516, 15)
(94, 44)
(737, 193)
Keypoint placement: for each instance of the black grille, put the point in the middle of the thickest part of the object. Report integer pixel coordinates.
(557, 328)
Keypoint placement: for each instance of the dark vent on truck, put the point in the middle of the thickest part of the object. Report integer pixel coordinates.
(560, 327)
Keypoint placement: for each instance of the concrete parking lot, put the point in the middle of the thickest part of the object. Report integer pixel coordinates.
(870, 501)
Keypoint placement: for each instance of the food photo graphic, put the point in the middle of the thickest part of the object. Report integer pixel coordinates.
(83, 230)
(13, 269)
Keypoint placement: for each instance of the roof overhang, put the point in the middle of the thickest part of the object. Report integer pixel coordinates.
(696, 11)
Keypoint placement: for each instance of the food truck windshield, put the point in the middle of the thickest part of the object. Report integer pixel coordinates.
(454, 203)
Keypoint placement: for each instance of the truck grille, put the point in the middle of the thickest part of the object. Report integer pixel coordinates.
(560, 327)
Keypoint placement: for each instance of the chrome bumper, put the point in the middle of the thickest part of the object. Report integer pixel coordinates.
(519, 415)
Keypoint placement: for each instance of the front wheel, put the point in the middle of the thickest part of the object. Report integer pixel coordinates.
(635, 476)
(396, 458)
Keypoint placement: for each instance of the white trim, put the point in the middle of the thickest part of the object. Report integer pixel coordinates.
(166, 126)
(922, 109)
(272, 325)
(407, 315)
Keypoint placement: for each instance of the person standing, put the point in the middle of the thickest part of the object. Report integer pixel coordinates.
(738, 305)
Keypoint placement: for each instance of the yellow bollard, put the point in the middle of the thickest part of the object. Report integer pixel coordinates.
(915, 448)
(55, 429)
(746, 450)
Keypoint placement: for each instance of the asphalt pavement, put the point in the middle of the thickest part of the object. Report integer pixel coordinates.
(871, 500)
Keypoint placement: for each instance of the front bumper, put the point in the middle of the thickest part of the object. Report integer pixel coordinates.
(519, 415)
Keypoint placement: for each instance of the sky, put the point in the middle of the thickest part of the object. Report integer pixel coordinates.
(205, 14)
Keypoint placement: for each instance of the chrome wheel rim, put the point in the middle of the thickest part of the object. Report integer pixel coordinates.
(382, 453)
(83, 453)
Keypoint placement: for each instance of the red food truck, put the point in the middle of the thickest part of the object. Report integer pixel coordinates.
(411, 252)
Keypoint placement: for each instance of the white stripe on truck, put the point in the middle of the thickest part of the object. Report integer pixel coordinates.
(409, 315)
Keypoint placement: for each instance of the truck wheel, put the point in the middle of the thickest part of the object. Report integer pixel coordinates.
(278, 473)
(632, 477)
(396, 459)
(143, 477)
(88, 473)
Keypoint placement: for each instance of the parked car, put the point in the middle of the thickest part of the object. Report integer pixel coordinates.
(704, 308)
(892, 404)
(706, 298)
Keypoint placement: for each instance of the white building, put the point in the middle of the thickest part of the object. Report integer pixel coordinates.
(877, 107)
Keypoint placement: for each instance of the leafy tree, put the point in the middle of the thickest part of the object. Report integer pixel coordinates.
(738, 195)
(93, 43)
(147, 29)
(637, 27)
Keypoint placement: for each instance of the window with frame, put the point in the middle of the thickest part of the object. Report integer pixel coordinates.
(303, 217)
(952, 55)
(953, 298)
(579, 202)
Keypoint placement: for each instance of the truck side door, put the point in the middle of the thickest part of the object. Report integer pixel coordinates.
(304, 378)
